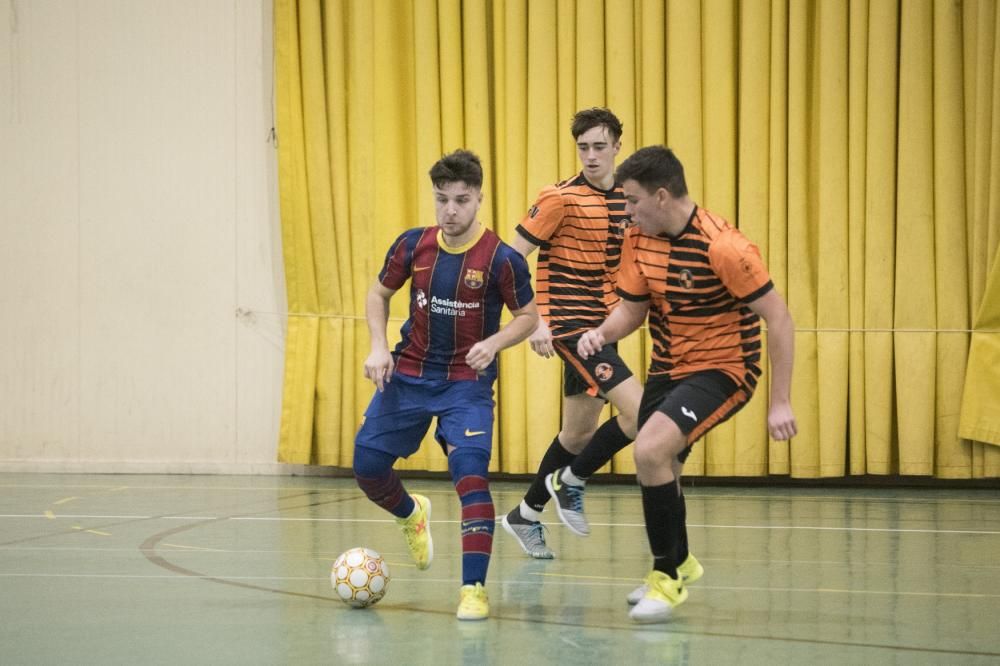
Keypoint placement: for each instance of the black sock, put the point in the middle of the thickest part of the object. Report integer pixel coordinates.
(537, 496)
(661, 507)
(606, 442)
(682, 536)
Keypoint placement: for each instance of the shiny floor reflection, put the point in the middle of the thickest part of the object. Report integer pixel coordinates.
(181, 569)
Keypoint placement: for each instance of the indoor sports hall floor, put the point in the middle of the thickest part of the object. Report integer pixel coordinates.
(145, 569)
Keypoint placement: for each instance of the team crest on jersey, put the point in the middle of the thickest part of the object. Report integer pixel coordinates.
(686, 279)
(746, 266)
(421, 299)
(473, 278)
(603, 372)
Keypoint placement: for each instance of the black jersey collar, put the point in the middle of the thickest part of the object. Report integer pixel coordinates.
(687, 227)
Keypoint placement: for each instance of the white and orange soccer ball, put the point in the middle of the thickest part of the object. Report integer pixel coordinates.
(360, 577)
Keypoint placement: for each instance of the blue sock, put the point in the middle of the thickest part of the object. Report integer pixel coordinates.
(469, 468)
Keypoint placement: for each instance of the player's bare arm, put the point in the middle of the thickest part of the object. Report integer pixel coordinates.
(624, 319)
(379, 364)
(781, 351)
(520, 327)
(541, 338)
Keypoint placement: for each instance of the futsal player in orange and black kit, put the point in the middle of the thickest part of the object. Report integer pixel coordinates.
(577, 227)
(705, 289)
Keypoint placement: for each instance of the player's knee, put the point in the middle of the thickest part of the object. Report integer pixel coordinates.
(646, 453)
(629, 424)
(658, 446)
(371, 463)
(574, 440)
(468, 461)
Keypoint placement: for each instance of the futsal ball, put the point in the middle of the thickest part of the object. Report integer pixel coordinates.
(360, 576)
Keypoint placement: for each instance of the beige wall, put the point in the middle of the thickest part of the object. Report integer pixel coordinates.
(138, 220)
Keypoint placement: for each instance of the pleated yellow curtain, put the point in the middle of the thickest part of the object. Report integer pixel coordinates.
(856, 143)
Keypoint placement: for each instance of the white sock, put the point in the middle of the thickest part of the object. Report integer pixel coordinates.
(568, 477)
(529, 514)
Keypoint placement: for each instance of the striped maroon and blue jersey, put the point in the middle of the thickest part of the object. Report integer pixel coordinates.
(456, 297)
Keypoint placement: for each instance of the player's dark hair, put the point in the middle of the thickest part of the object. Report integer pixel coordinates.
(654, 167)
(460, 165)
(588, 119)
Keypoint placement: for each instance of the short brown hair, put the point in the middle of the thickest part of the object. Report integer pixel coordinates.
(597, 116)
(458, 166)
(654, 167)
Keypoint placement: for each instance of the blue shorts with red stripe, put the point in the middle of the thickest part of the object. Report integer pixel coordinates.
(398, 417)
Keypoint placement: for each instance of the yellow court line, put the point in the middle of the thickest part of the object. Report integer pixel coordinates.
(97, 532)
(556, 575)
(64, 500)
(821, 590)
(830, 590)
(395, 565)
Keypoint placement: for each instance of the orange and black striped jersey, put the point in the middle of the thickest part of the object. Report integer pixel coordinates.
(698, 284)
(579, 230)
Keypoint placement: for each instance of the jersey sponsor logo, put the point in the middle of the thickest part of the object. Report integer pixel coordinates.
(417, 269)
(686, 279)
(532, 212)
(688, 413)
(452, 308)
(603, 372)
(421, 299)
(473, 278)
(473, 433)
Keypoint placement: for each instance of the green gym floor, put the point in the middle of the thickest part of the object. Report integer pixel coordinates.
(113, 569)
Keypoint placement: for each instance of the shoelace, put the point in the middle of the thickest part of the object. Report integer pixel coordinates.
(536, 535)
(575, 496)
(473, 597)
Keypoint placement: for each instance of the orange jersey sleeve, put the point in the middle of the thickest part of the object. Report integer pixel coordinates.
(544, 218)
(739, 265)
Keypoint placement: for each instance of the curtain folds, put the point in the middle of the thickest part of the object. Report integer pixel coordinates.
(858, 144)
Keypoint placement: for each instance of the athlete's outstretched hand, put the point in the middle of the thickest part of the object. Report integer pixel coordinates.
(781, 421)
(481, 355)
(590, 343)
(378, 367)
(541, 340)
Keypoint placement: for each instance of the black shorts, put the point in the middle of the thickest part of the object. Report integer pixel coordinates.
(696, 403)
(594, 376)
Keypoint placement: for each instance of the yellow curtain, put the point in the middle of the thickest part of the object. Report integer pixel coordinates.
(857, 143)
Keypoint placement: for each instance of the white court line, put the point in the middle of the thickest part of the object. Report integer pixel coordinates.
(331, 555)
(157, 576)
(892, 530)
(692, 491)
(501, 581)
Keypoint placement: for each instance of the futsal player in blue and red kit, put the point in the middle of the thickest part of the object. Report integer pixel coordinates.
(461, 276)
